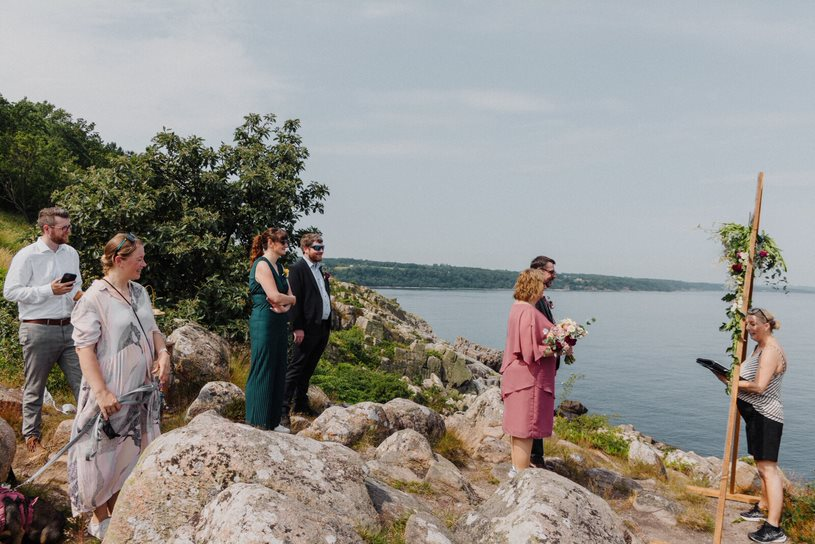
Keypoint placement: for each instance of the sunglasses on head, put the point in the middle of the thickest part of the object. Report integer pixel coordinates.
(318, 247)
(129, 237)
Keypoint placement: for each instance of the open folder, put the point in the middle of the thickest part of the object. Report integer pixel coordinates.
(713, 366)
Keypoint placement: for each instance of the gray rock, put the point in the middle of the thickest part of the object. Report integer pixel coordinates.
(184, 470)
(255, 514)
(406, 414)
(455, 368)
(488, 356)
(650, 502)
(640, 452)
(199, 357)
(424, 528)
(540, 506)
(408, 449)
(317, 399)
(11, 403)
(8, 448)
(480, 427)
(610, 484)
(392, 473)
(571, 409)
(446, 478)
(432, 367)
(349, 425)
(392, 504)
(62, 435)
(215, 396)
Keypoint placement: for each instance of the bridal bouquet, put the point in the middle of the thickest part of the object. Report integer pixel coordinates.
(566, 332)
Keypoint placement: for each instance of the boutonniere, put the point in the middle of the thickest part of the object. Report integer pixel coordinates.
(326, 275)
(286, 272)
(549, 303)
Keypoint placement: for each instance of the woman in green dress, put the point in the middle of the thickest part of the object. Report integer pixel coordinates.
(268, 330)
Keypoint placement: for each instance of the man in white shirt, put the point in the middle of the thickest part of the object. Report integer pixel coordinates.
(44, 301)
(311, 323)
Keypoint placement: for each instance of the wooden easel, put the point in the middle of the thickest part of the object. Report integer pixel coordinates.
(727, 483)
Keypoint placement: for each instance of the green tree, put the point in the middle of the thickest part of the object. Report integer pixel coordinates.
(41, 146)
(197, 208)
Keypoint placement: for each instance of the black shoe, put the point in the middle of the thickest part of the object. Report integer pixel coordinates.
(536, 461)
(754, 514)
(768, 533)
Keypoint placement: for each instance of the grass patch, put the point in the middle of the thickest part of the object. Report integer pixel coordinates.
(798, 518)
(350, 383)
(451, 448)
(437, 399)
(416, 488)
(239, 365)
(592, 430)
(393, 533)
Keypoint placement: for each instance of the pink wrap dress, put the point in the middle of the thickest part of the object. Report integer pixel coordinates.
(528, 384)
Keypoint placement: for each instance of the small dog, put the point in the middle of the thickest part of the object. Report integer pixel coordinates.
(29, 521)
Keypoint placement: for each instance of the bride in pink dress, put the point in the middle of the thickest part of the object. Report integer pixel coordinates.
(528, 369)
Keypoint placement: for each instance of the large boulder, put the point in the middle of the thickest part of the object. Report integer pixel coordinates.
(8, 448)
(446, 478)
(646, 454)
(255, 514)
(216, 396)
(424, 528)
(349, 425)
(540, 506)
(406, 414)
(199, 357)
(392, 504)
(11, 403)
(184, 470)
(454, 368)
(406, 449)
(317, 399)
(62, 435)
(691, 463)
(480, 427)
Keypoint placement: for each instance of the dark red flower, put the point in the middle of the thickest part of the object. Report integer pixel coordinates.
(737, 267)
(763, 253)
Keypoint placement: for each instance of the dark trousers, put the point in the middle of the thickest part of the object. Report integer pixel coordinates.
(537, 447)
(304, 361)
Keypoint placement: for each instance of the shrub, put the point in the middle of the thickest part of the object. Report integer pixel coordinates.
(349, 383)
(451, 448)
(798, 518)
(592, 430)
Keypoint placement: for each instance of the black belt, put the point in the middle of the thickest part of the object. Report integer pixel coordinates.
(57, 322)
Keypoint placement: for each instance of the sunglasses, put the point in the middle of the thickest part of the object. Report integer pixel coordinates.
(318, 247)
(754, 311)
(129, 237)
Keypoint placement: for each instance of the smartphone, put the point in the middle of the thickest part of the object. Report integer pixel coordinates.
(67, 278)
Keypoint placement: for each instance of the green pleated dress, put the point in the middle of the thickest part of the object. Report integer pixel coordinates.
(269, 335)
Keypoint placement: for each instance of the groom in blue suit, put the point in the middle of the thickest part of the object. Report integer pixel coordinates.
(544, 306)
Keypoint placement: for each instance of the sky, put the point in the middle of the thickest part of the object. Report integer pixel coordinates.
(611, 136)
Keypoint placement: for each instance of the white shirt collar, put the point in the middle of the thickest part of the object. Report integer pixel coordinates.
(42, 247)
(311, 264)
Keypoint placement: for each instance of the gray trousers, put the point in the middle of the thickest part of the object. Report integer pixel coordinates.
(44, 345)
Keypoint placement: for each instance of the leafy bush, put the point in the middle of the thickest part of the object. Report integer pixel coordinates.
(798, 518)
(349, 383)
(592, 430)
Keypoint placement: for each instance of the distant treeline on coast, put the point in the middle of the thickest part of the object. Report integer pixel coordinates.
(442, 276)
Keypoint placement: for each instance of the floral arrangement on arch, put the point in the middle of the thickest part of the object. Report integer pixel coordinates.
(767, 264)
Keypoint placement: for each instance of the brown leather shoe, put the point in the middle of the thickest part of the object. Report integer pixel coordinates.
(33, 444)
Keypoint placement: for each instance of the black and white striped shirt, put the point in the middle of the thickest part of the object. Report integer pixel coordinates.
(768, 403)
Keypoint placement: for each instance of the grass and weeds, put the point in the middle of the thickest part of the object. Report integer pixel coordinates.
(451, 448)
(416, 488)
(437, 399)
(344, 382)
(798, 518)
(393, 533)
(592, 430)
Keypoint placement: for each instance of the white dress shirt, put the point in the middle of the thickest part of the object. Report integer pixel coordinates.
(318, 277)
(28, 281)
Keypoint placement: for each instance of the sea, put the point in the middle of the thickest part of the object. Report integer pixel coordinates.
(638, 363)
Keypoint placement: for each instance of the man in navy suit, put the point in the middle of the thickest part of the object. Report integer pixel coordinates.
(544, 306)
(311, 323)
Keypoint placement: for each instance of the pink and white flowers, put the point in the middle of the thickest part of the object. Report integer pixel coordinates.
(564, 335)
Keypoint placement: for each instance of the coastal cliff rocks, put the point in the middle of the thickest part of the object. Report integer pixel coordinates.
(184, 470)
(489, 356)
(406, 449)
(8, 448)
(255, 514)
(541, 506)
(199, 357)
(218, 396)
(480, 428)
(406, 414)
(349, 425)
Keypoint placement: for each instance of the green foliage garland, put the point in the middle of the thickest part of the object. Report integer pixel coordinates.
(767, 263)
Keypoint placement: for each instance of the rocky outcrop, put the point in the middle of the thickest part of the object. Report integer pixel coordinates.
(392, 504)
(540, 506)
(218, 396)
(255, 514)
(349, 425)
(199, 357)
(406, 449)
(424, 528)
(184, 470)
(489, 356)
(8, 448)
(406, 414)
(480, 427)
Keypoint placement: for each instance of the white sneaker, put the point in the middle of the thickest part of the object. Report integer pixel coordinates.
(512, 472)
(282, 429)
(98, 529)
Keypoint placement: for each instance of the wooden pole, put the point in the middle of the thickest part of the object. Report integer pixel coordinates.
(731, 440)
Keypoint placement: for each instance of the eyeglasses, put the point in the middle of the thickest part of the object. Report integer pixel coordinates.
(64, 228)
(129, 237)
(550, 271)
(754, 311)
(318, 247)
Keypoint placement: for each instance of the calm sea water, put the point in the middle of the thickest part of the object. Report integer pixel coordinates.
(639, 364)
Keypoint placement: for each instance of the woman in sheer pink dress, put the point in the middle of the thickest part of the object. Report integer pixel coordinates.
(528, 369)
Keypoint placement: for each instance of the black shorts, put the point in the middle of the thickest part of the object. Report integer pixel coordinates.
(763, 434)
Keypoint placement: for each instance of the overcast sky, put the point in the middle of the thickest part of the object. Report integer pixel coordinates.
(602, 134)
